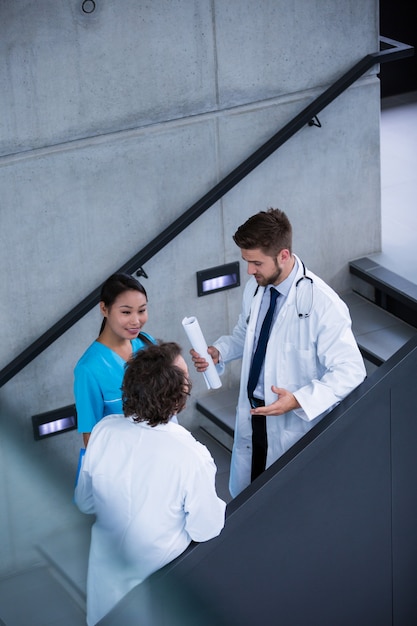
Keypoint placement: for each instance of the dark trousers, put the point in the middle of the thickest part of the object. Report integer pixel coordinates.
(259, 441)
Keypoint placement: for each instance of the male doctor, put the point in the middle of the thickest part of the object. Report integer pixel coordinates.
(311, 360)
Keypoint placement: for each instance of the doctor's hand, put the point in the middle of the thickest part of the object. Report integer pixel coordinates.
(200, 362)
(285, 402)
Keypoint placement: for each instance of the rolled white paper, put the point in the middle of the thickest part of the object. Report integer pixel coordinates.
(196, 337)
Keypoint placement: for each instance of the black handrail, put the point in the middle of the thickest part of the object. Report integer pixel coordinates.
(391, 50)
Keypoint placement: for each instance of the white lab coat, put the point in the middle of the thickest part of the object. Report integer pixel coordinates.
(153, 491)
(316, 358)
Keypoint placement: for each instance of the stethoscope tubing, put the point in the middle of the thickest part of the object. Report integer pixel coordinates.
(303, 277)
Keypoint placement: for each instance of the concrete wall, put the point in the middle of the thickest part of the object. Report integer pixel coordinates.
(115, 122)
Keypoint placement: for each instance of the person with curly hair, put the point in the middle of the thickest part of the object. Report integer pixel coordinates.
(150, 484)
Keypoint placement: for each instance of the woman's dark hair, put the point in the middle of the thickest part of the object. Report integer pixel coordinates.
(153, 388)
(114, 286)
(270, 231)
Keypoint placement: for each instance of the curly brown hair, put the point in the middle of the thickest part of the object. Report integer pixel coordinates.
(153, 387)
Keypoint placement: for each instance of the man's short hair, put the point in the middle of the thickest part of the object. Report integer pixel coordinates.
(270, 231)
(153, 388)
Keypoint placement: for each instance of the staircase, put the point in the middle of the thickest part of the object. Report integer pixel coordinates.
(383, 308)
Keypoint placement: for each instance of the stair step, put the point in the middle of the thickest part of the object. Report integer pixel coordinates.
(36, 597)
(221, 456)
(379, 333)
(220, 408)
(391, 291)
(66, 551)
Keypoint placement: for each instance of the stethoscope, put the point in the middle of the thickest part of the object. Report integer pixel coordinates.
(308, 308)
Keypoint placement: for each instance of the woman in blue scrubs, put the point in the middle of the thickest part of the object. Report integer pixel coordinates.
(99, 373)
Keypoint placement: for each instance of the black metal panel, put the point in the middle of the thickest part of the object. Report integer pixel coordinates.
(404, 490)
(398, 20)
(327, 535)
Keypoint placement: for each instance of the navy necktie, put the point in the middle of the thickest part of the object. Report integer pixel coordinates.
(259, 356)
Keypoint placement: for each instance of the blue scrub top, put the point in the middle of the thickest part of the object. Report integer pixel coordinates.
(98, 378)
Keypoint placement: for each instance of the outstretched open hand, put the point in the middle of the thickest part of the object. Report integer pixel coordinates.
(286, 401)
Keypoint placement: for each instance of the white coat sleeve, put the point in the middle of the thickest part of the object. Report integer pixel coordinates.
(83, 495)
(204, 510)
(340, 364)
